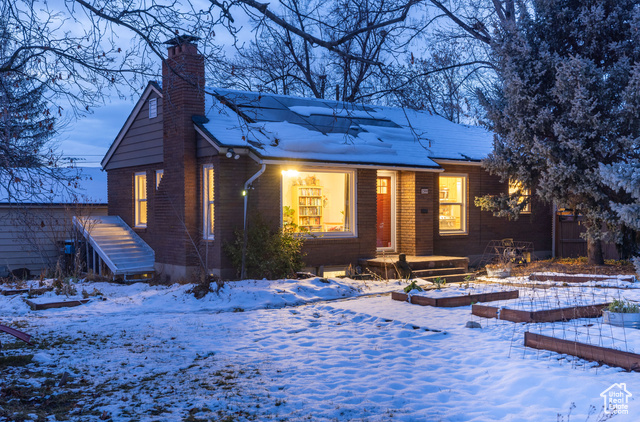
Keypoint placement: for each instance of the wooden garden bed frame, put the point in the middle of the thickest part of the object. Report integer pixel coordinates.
(571, 278)
(454, 301)
(547, 315)
(66, 304)
(627, 360)
(36, 291)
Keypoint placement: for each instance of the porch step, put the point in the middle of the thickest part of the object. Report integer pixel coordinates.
(439, 272)
(453, 278)
(422, 266)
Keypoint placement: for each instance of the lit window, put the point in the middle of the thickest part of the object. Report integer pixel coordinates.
(153, 108)
(159, 175)
(318, 202)
(208, 201)
(453, 204)
(382, 186)
(141, 199)
(516, 187)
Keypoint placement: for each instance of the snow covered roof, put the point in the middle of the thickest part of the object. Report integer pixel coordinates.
(293, 128)
(90, 187)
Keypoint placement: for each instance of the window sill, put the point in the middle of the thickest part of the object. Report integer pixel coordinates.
(327, 236)
(446, 234)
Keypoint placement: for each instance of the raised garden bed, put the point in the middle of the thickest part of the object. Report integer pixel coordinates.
(37, 306)
(37, 291)
(580, 278)
(454, 301)
(546, 315)
(612, 357)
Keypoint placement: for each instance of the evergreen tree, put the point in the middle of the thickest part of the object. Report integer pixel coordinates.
(567, 102)
(30, 167)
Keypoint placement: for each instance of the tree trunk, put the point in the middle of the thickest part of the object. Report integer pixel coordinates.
(594, 252)
(628, 245)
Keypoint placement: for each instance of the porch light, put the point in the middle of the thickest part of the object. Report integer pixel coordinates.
(290, 173)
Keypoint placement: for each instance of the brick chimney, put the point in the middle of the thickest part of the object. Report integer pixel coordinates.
(177, 211)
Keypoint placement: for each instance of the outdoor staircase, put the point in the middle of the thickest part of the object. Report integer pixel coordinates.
(451, 268)
(117, 245)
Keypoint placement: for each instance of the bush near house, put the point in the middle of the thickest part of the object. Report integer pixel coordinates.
(271, 253)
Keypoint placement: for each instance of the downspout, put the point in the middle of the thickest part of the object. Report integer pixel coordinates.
(245, 193)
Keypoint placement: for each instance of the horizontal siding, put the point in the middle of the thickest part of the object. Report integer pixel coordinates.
(204, 148)
(30, 238)
(142, 144)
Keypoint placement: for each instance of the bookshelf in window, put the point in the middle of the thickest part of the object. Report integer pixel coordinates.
(308, 200)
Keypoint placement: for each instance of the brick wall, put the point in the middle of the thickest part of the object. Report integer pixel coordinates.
(122, 202)
(415, 212)
(230, 176)
(483, 226)
(265, 199)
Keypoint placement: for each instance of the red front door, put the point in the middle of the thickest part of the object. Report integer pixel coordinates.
(384, 212)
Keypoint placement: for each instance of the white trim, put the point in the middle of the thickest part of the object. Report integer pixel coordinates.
(132, 117)
(206, 234)
(458, 162)
(137, 200)
(352, 205)
(153, 108)
(465, 206)
(393, 185)
(159, 176)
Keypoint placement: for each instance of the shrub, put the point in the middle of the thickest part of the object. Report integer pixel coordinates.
(271, 253)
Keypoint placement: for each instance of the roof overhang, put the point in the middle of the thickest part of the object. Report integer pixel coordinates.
(151, 87)
(445, 161)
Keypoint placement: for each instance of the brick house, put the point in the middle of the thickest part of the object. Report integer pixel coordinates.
(361, 179)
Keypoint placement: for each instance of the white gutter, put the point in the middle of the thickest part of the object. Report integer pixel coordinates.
(457, 162)
(285, 162)
(245, 193)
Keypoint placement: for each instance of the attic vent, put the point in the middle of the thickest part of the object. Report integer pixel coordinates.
(153, 108)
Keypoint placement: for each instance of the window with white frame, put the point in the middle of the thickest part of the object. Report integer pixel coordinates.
(453, 204)
(153, 108)
(516, 187)
(159, 176)
(319, 202)
(140, 196)
(208, 198)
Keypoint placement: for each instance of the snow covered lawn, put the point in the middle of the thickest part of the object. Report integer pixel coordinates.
(290, 350)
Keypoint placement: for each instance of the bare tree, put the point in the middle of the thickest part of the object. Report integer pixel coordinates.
(443, 83)
(289, 55)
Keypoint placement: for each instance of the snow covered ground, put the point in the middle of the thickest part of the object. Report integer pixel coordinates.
(293, 350)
